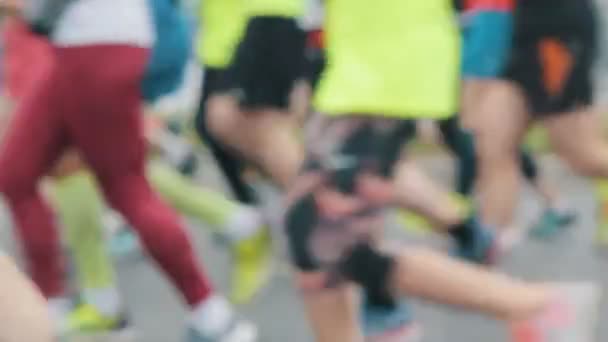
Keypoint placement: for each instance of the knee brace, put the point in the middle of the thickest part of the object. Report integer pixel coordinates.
(300, 222)
(371, 270)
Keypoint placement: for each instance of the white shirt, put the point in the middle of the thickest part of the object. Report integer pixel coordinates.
(313, 17)
(87, 22)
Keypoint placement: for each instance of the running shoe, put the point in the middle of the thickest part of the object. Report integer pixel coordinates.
(252, 267)
(602, 225)
(413, 223)
(572, 317)
(86, 323)
(552, 222)
(239, 331)
(389, 324)
(483, 248)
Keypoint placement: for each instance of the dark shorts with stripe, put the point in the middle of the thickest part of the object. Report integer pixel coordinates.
(552, 55)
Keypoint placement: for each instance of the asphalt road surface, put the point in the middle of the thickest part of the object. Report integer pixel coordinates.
(160, 317)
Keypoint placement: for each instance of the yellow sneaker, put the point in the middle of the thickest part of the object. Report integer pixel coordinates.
(601, 236)
(87, 318)
(86, 323)
(252, 266)
(413, 223)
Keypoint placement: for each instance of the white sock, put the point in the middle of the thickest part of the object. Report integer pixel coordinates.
(561, 206)
(113, 222)
(106, 300)
(244, 223)
(175, 148)
(212, 317)
(59, 309)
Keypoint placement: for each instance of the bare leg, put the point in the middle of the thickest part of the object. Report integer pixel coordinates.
(415, 191)
(499, 123)
(578, 138)
(338, 306)
(427, 274)
(267, 138)
(23, 310)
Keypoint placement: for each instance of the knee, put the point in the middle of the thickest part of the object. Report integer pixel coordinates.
(495, 152)
(373, 271)
(156, 222)
(360, 263)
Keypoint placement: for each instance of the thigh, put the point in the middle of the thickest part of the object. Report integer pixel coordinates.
(107, 126)
(36, 135)
(214, 83)
(575, 135)
(499, 120)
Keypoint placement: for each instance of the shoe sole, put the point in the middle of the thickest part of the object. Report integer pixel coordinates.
(409, 333)
(246, 333)
(126, 335)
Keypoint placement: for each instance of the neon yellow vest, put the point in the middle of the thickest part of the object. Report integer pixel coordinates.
(281, 8)
(395, 58)
(222, 26)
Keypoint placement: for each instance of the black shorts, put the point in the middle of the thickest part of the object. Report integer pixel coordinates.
(553, 53)
(316, 61)
(315, 57)
(215, 80)
(268, 62)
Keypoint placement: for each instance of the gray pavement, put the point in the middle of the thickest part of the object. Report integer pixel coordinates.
(159, 315)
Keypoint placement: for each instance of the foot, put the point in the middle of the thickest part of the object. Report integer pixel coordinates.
(252, 267)
(571, 317)
(482, 247)
(86, 323)
(389, 325)
(239, 331)
(552, 222)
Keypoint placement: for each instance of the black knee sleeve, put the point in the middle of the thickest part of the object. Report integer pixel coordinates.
(528, 165)
(300, 221)
(371, 270)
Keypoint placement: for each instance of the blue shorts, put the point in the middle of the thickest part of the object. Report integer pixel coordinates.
(486, 44)
(170, 54)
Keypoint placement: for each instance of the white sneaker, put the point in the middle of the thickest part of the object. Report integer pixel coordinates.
(239, 331)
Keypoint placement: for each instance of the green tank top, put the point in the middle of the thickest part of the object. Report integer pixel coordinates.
(222, 26)
(281, 8)
(395, 58)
